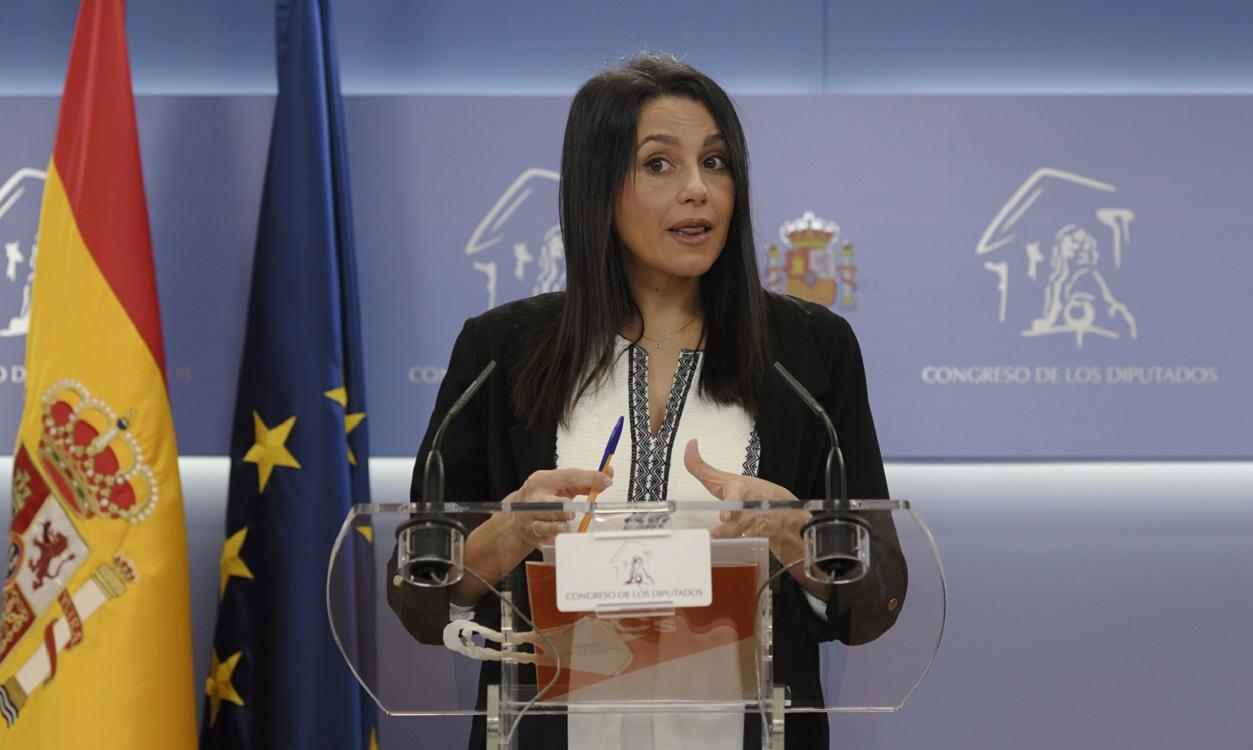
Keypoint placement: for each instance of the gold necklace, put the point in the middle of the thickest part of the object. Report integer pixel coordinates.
(657, 343)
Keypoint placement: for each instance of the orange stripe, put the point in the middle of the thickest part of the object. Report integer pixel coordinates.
(97, 156)
(50, 647)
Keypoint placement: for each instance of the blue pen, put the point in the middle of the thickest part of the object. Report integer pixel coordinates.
(605, 460)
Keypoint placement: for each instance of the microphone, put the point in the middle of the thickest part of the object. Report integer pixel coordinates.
(430, 544)
(837, 540)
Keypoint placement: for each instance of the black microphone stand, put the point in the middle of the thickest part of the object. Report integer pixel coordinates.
(837, 540)
(430, 545)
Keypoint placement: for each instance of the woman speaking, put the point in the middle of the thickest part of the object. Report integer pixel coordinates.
(665, 322)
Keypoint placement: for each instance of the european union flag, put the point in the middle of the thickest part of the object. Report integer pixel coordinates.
(298, 446)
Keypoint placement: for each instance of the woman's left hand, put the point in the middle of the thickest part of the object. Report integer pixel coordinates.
(781, 527)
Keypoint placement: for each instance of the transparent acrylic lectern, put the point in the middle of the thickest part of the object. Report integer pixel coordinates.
(547, 647)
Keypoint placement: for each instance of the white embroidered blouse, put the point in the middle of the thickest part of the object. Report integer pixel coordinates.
(649, 468)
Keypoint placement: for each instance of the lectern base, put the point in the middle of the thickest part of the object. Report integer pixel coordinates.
(776, 720)
(498, 725)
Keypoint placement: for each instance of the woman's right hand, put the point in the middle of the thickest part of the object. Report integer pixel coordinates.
(503, 541)
(497, 545)
(530, 530)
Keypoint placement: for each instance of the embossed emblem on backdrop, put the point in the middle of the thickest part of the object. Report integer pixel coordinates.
(815, 263)
(1056, 248)
(1055, 254)
(517, 247)
(516, 251)
(20, 197)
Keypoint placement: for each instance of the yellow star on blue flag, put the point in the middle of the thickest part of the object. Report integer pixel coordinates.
(298, 463)
(270, 448)
(351, 420)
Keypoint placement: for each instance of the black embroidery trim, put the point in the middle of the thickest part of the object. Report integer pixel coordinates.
(637, 407)
(674, 411)
(650, 457)
(752, 461)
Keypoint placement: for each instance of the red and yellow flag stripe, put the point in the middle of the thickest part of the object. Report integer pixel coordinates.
(98, 652)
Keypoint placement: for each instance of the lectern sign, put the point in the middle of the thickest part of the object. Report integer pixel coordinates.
(630, 570)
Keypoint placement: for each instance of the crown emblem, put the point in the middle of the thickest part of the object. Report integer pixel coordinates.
(93, 458)
(809, 232)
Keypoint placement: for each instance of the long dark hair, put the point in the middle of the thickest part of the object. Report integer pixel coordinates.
(577, 350)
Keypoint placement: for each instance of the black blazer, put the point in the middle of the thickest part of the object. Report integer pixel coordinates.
(488, 453)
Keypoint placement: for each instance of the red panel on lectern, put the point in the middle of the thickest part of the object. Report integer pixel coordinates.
(672, 657)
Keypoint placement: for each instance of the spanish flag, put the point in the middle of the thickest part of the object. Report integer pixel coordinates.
(96, 646)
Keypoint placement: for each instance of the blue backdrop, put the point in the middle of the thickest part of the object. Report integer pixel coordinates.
(1029, 276)
(1080, 657)
(801, 46)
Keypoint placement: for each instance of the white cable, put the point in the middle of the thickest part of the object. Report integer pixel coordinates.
(459, 637)
(552, 648)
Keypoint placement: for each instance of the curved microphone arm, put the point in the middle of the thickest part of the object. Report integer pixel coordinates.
(430, 544)
(835, 457)
(837, 540)
(433, 472)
